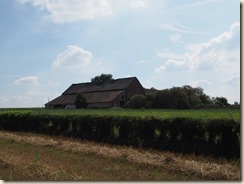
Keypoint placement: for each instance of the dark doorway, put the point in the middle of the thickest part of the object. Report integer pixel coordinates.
(122, 103)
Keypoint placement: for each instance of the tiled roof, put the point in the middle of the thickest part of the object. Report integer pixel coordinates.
(106, 96)
(112, 85)
(93, 97)
(63, 100)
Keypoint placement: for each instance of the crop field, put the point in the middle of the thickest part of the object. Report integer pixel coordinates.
(157, 113)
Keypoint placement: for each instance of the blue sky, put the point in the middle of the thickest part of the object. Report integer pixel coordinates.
(46, 45)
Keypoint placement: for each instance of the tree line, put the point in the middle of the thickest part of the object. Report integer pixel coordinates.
(185, 97)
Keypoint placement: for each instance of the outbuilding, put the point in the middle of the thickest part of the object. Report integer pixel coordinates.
(112, 93)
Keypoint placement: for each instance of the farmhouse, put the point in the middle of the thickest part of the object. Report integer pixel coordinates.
(112, 93)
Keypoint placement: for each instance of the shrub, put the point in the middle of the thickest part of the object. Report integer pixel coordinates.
(137, 101)
(219, 137)
(80, 101)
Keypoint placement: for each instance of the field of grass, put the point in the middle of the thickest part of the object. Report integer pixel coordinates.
(158, 113)
(25, 156)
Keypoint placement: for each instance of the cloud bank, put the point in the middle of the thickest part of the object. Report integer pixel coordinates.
(73, 58)
(30, 80)
(61, 11)
(220, 52)
(67, 11)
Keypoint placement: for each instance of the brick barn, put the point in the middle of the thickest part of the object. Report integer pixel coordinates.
(113, 93)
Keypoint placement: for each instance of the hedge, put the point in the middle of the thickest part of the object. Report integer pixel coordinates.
(218, 137)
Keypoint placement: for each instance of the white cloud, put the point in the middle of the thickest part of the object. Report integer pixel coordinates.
(175, 39)
(199, 3)
(53, 83)
(15, 101)
(166, 53)
(32, 98)
(138, 3)
(173, 65)
(233, 79)
(174, 61)
(30, 80)
(178, 65)
(73, 58)
(61, 11)
(160, 69)
(221, 52)
(177, 26)
(75, 62)
(147, 84)
(140, 62)
(201, 83)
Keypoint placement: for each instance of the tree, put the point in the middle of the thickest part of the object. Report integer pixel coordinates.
(102, 78)
(180, 98)
(185, 97)
(137, 101)
(236, 105)
(222, 101)
(80, 101)
(161, 99)
(205, 99)
(150, 103)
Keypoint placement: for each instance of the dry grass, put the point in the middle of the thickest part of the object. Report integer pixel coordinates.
(23, 161)
(199, 167)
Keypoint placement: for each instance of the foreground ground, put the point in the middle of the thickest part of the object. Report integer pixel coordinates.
(37, 157)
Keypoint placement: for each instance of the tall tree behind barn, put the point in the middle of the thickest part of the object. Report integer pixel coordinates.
(102, 78)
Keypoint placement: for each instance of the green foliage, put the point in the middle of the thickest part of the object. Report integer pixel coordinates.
(137, 102)
(185, 97)
(222, 101)
(102, 78)
(80, 101)
(218, 137)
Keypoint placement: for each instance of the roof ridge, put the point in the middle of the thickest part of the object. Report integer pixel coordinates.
(105, 81)
(112, 85)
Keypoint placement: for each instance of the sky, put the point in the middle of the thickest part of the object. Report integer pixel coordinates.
(47, 45)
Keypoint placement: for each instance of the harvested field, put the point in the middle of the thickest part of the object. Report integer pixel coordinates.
(108, 162)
